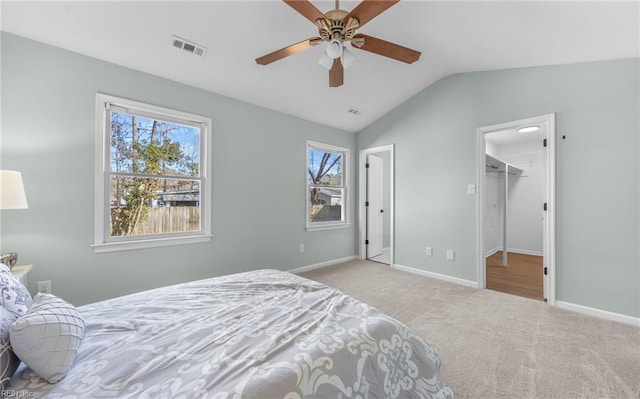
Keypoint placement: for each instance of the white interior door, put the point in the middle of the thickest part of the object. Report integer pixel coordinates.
(374, 208)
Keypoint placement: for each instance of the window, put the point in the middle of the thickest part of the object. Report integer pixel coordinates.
(326, 186)
(152, 183)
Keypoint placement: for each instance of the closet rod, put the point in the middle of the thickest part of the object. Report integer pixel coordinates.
(516, 174)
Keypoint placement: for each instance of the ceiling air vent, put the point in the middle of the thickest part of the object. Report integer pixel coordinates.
(354, 111)
(188, 46)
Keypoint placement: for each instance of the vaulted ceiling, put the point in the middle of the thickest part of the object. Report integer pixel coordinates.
(453, 37)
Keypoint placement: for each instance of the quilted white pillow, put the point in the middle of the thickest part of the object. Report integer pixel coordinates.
(8, 360)
(48, 337)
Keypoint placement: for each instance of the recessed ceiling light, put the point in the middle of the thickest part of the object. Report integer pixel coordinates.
(528, 129)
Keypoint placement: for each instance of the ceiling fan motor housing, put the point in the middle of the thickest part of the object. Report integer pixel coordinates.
(337, 29)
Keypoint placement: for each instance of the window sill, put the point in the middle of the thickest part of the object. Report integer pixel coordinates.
(151, 243)
(328, 227)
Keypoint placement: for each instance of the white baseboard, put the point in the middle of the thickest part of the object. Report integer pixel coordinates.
(603, 314)
(515, 251)
(307, 268)
(525, 252)
(444, 277)
(491, 252)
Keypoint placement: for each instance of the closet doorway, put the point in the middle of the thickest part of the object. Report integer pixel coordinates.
(515, 207)
(376, 204)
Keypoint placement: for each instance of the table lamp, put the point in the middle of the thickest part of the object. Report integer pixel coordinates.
(12, 196)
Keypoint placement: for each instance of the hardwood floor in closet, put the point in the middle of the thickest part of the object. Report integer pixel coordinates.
(522, 276)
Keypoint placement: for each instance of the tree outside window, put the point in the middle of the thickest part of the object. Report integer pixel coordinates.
(153, 166)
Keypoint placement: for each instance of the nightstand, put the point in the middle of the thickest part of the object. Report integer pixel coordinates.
(21, 272)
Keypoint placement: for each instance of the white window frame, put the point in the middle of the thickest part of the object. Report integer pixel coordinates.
(345, 222)
(103, 242)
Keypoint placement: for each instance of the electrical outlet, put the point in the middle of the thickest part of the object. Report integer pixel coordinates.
(44, 286)
(301, 248)
(451, 254)
(429, 251)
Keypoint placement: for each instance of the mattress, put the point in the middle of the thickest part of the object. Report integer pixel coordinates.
(261, 334)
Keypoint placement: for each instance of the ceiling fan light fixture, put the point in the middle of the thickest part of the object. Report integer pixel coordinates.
(347, 58)
(326, 61)
(334, 48)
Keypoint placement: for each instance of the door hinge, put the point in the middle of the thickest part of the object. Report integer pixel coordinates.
(366, 203)
(544, 142)
(545, 271)
(366, 242)
(544, 206)
(366, 165)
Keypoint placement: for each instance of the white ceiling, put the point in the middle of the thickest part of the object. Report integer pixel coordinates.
(453, 37)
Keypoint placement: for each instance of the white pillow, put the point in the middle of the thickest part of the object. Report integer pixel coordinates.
(14, 296)
(8, 360)
(48, 337)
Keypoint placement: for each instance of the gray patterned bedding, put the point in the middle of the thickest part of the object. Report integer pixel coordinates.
(262, 334)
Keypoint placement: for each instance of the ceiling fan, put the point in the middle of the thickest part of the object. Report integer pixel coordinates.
(337, 28)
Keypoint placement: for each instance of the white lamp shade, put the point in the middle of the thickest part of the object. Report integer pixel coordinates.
(347, 58)
(334, 48)
(12, 194)
(326, 61)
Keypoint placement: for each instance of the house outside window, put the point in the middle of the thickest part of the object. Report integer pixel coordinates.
(327, 186)
(152, 183)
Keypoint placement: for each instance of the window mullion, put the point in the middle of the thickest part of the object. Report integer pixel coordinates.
(155, 176)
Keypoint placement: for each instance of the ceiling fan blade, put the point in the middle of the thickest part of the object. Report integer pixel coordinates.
(368, 10)
(308, 10)
(388, 49)
(287, 51)
(336, 74)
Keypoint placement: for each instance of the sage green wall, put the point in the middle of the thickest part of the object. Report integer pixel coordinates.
(48, 134)
(597, 229)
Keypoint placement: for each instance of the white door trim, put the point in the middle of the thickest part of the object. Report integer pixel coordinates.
(549, 241)
(362, 195)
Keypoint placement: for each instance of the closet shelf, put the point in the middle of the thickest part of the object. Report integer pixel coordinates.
(494, 164)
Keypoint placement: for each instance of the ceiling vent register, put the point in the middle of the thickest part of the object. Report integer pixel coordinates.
(188, 46)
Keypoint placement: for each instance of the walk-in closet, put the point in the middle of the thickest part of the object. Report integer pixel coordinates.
(513, 228)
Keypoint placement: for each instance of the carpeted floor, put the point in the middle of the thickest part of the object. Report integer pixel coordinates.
(495, 345)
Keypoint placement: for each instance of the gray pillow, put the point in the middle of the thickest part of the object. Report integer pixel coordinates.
(14, 296)
(48, 337)
(9, 362)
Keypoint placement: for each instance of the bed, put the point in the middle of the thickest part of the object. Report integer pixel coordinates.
(261, 334)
